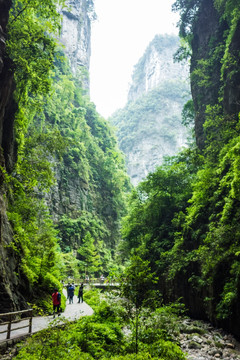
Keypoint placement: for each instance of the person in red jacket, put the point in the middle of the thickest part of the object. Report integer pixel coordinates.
(56, 299)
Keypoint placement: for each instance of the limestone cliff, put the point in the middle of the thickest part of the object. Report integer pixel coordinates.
(12, 284)
(76, 36)
(156, 66)
(7, 105)
(208, 77)
(149, 127)
(79, 187)
(206, 34)
(214, 30)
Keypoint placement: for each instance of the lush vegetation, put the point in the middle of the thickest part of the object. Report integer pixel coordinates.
(67, 163)
(184, 218)
(32, 27)
(66, 195)
(115, 330)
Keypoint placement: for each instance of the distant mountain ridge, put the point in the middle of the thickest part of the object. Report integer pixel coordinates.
(149, 127)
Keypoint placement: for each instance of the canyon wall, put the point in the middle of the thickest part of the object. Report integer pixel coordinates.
(157, 66)
(149, 127)
(12, 282)
(209, 81)
(214, 31)
(76, 36)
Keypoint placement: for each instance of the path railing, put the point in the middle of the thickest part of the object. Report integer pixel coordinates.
(91, 281)
(12, 318)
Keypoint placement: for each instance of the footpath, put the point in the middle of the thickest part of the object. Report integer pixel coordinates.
(198, 339)
(72, 312)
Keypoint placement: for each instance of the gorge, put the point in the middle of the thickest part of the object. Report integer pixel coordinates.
(59, 158)
(63, 179)
(150, 126)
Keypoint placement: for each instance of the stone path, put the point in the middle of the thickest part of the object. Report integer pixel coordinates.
(199, 340)
(71, 313)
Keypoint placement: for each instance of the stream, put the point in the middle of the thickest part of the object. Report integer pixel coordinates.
(201, 341)
(198, 340)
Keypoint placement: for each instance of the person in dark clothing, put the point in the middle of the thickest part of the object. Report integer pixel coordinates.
(68, 286)
(56, 300)
(71, 293)
(80, 294)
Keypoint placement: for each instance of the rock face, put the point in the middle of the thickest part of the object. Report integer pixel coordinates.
(231, 96)
(206, 36)
(215, 79)
(208, 32)
(157, 66)
(149, 127)
(67, 197)
(7, 105)
(11, 282)
(76, 35)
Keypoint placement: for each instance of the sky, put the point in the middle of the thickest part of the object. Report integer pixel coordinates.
(120, 35)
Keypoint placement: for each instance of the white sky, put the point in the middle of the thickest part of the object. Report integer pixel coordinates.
(120, 35)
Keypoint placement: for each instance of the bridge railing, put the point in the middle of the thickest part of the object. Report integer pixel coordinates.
(90, 281)
(15, 317)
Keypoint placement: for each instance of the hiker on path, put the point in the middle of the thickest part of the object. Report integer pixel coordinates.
(80, 293)
(71, 293)
(68, 286)
(56, 300)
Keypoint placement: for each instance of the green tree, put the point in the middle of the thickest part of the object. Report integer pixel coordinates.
(153, 206)
(137, 286)
(90, 259)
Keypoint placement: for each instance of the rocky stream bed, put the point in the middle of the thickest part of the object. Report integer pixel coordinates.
(198, 340)
(203, 342)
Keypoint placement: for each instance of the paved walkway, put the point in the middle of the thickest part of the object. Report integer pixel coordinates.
(72, 312)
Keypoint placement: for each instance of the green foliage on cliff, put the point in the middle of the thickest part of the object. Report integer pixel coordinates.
(92, 168)
(69, 180)
(149, 127)
(184, 217)
(219, 59)
(188, 10)
(138, 119)
(32, 50)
